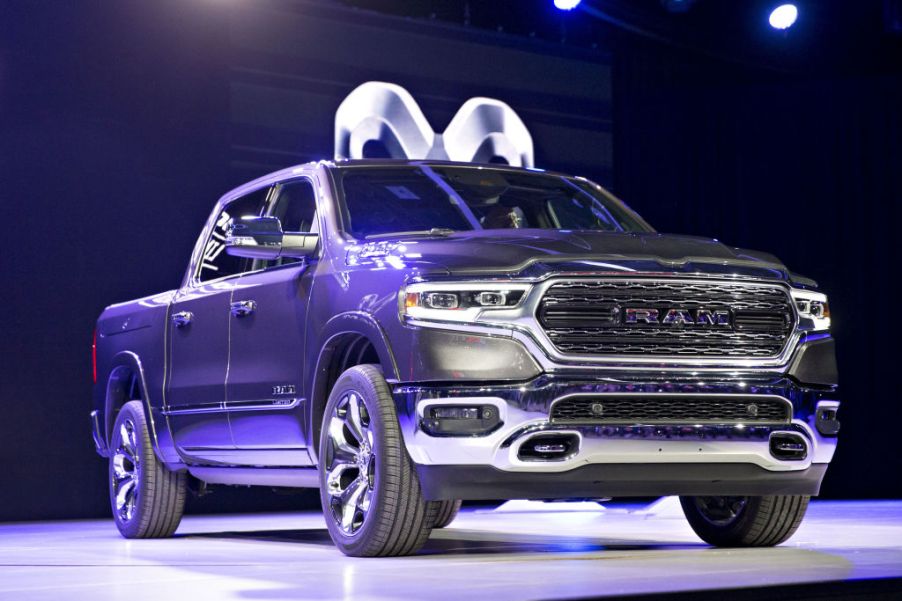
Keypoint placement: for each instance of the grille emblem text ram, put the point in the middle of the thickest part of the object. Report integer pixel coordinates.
(704, 317)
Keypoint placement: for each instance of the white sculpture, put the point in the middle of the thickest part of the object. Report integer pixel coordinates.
(483, 128)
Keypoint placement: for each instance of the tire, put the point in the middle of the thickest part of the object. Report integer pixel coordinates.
(369, 489)
(446, 512)
(745, 521)
(147, 499)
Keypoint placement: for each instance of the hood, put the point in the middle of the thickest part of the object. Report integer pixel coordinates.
(533, 252)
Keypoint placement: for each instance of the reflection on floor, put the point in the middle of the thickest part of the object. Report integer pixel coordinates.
(519, 551)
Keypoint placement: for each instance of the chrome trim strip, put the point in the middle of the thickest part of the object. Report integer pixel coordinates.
(805, 440)
(524, 439)
(263, 405)
(619, 272)
(826, 405)
(218, 407)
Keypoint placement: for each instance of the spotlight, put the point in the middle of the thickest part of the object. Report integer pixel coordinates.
(566, 4)
(784, 16)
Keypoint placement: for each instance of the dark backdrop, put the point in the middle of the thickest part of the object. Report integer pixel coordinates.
(809, 168)
(120, 124)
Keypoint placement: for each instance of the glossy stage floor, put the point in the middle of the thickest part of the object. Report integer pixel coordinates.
(521, 550)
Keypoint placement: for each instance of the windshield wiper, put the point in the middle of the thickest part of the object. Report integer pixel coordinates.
(436, 231)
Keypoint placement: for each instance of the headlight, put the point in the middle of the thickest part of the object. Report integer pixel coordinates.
(458, 302)
(814, 312)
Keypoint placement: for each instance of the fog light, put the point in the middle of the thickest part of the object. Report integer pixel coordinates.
(460, 420)
(455, 412)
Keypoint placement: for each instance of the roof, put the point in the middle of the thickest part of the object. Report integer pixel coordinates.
(389, 162)
(295, 170)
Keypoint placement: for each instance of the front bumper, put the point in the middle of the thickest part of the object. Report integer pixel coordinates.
(593, 481)
(616, 460)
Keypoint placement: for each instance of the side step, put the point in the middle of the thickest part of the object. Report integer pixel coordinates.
(258, 476)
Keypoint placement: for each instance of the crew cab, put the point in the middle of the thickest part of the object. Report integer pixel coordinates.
(405, 335)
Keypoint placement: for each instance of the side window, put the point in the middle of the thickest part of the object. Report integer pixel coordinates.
(215, 262)
(295, 206)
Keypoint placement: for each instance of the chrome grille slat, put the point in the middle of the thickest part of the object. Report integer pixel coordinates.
(581, 318)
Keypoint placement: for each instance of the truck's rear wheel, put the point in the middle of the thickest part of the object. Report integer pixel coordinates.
(446, 512)
(745, 521)
(148, 500)
(370, 493)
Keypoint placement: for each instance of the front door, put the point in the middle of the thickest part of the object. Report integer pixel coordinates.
(264, 396)
(198, 343)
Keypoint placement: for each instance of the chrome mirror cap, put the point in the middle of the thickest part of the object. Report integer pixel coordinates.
(262, 238)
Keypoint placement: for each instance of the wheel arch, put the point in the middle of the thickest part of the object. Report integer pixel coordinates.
(127, 382)
(349, 339)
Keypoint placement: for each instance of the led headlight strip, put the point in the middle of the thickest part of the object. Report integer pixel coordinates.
(814, 312)
(458, 302)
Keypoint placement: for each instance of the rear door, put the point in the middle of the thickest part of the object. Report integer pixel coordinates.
(267, 410)
(198, 343)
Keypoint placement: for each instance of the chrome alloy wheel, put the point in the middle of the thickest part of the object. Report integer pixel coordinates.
(126, 465)
(721, 511)
(350, 464)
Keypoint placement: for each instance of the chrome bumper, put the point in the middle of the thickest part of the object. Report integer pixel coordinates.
(524, 411)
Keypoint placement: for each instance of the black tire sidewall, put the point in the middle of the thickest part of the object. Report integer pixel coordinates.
(388, 457)
(447, 511)
(134, 411)
(726, 535)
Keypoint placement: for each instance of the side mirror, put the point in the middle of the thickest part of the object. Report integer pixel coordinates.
(262, 238)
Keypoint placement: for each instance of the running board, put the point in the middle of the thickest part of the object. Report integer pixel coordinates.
(257, 476)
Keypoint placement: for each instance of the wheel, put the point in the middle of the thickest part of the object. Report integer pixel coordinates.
(148, 500)
(370, 493)
(446, 512)
(745, 521)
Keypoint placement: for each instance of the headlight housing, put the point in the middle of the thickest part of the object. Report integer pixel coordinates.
(458, 302)
(813, 309)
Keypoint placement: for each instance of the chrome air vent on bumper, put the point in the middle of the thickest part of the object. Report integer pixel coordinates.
(629, 409)
(667, 318)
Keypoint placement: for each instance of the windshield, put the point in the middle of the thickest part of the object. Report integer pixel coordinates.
(437, 200)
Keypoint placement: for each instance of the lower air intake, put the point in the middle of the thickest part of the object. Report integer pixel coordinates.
(664, 409)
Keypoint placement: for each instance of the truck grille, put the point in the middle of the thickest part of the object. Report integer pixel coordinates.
(707, 319)
(652, 410)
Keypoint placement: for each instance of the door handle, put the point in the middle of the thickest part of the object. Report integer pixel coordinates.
(182, 318)
(243, 308)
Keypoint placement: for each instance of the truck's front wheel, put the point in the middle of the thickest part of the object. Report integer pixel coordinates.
(745, 521)
(148, 499)
(370, 493)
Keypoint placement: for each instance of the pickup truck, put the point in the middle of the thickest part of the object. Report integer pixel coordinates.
(405, 335)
